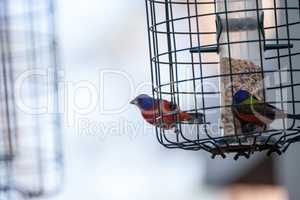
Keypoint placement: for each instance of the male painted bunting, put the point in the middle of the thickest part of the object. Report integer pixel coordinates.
(247, 108)
(167, 115)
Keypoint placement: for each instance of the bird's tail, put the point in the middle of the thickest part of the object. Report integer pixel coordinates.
(293, 116)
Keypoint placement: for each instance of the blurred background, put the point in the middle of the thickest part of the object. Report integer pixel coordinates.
(109, 151)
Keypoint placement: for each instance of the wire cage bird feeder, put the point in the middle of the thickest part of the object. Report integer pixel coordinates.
(204, 52)
(31, 161)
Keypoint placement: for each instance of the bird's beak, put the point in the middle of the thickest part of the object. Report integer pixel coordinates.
(133, 102)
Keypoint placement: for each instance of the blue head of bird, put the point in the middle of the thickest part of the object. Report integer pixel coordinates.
(240, 96)
(144, 102)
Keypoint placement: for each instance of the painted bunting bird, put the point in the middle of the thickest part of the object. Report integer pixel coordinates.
(249, 109)
(166, 116)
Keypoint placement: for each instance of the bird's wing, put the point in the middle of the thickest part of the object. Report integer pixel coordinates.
(261, 110)
(166, 114)
(169, 106)
(265, 110)
(273, 111)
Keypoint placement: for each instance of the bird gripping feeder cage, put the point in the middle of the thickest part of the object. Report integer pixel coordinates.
(206, 54)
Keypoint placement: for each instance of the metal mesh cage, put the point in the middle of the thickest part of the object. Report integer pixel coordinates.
(30, 146)
(189, 40)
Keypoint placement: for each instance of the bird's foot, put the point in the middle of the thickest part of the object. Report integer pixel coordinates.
(239, 154)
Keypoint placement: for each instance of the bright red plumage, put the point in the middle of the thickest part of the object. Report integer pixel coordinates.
(169, 115)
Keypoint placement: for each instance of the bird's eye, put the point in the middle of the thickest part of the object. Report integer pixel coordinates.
(140, 101)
